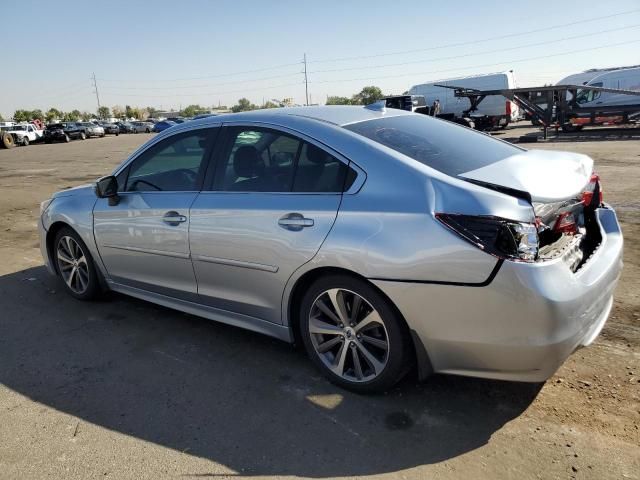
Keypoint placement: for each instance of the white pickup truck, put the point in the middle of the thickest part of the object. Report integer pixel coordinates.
(20, 134)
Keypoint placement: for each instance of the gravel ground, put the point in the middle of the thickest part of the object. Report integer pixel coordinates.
(125, 389)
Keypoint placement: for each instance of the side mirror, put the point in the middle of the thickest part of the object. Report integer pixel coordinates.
(107, 187)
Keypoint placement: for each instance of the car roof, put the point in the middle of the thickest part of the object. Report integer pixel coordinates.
(335, 114)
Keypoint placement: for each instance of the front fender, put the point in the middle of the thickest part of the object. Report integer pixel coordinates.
(76, 211)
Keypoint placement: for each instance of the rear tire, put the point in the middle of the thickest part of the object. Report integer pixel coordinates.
(25, 142)
(75, 266)
(67, 139)
(354, 335)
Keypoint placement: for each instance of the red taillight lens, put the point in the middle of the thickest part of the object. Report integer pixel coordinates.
(587, 194)
(508, 108)
(566, 223)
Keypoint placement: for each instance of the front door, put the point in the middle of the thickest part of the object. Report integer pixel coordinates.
(144, 239)
(272, 203)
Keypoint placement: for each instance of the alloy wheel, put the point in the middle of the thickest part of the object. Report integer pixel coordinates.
(72, 264)
(348, 335)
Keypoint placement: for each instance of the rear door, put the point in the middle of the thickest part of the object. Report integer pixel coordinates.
(144, 239)
(271, 204)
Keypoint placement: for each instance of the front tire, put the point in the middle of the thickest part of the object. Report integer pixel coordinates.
(83, 136)
(67, 138)
(354, 335)
(25, 142)
(75, 265)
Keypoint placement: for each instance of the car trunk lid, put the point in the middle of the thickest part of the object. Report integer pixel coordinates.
(547, 176)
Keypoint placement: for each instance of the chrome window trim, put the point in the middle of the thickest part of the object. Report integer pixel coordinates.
(361, 175)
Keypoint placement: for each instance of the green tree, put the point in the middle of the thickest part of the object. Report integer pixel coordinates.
(86, 116)
(37, 113)
(152, 111)
(53, 114)
(270, 104)
(72, 116)
(367, 96)
(192, 110)
(1, 118)
(128, 111)
(104, 112)
(334, 100)
(21, 116)
(244, 105)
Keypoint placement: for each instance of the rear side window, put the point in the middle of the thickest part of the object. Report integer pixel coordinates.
(439, 144)
(266, 160)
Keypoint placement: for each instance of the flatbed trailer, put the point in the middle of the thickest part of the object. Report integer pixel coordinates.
(557, 110)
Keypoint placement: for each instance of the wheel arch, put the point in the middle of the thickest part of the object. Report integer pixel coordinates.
(54, 228)
(419, 353)
(50, 238)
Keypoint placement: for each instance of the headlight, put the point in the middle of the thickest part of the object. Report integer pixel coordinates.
(44, 205)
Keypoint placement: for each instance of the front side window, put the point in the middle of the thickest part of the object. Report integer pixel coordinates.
(586, 96)
(265, 160)
(175, 164)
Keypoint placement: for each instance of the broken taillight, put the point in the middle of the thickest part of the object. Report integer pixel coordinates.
(566, 223)
(497, 236)
(587, 194)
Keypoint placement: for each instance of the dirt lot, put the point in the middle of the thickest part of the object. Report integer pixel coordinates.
(125, 389)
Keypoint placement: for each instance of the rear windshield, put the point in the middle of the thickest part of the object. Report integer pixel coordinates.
(439, 144)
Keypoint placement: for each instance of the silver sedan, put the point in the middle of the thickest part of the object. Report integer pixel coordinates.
(378, 239)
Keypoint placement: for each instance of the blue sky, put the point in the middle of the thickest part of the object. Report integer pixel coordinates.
(169, 53)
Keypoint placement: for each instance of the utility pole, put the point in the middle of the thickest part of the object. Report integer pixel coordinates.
(95, 86)
(306, 83)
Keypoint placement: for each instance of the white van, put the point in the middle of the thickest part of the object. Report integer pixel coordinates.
(623, 79)
(498, 109)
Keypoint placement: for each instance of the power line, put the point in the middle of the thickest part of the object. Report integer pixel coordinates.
(235, 82)
(475, 41)
(519, 60)
(476, 53)
(195, 94)
(230, 74)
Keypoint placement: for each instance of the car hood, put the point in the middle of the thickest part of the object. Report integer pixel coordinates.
(547, 176)
(87, 189)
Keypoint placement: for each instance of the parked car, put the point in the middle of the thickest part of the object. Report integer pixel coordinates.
(177, 119)
(110, 128)
(162, 126)
(142, 127)
(21, 134)
(91, 129)
(125, 127)
(375, 237)
(63, 132)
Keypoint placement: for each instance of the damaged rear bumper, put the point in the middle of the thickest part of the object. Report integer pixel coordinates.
(525, 323)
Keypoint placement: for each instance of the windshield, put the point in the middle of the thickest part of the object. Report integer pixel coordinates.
(19, 127)
(439, 144)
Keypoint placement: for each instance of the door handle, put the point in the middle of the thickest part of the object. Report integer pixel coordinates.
(173, 218)
(295, 222)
